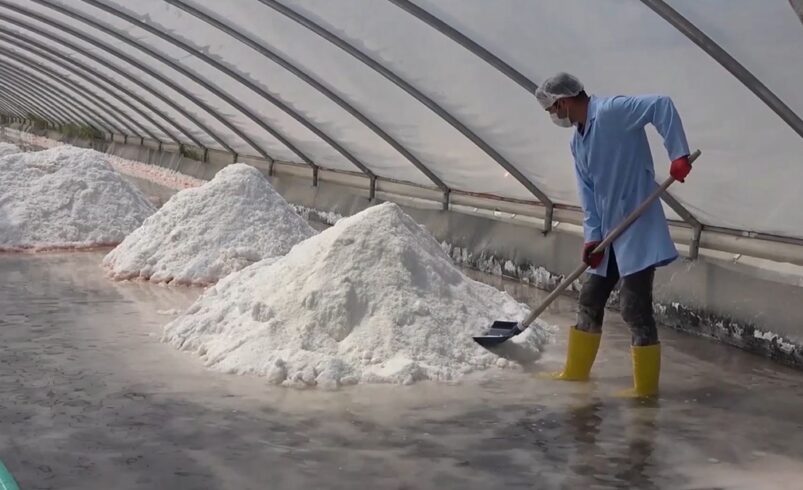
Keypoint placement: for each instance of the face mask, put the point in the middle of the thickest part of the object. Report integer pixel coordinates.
(563, 122)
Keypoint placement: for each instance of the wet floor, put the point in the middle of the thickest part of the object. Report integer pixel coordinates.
(91, 399)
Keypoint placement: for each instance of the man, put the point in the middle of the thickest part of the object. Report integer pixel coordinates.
(615, 174)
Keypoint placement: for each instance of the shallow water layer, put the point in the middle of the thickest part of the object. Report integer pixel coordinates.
(91, 399)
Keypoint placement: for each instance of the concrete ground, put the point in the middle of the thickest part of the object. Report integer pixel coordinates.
(90, 399)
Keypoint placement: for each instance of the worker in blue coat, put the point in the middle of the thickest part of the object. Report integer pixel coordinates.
(615, 174)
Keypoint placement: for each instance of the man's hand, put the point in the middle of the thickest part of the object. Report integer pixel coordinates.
(592, 260)
(680, 168)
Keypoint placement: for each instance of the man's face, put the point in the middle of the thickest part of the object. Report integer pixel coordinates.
(559, 108)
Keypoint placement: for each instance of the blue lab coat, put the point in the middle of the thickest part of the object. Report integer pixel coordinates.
(615, 174)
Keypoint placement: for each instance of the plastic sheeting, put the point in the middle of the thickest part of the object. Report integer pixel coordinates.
(748, 177)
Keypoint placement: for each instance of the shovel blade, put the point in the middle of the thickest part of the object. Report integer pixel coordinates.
(498, 333)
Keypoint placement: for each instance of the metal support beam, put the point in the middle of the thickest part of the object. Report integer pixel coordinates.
(372, 189)
(694, 247)
(23, 101)
(21, 86)
(420, 97)
(467, 43)
(99, 119)
(43, 51)
(78, 107)
(252, 85)
(74, 48)
(73, 83)
(130, 61)
(10, 108)
(26, 98)
(304, 76)
(728, 62)
(73, 86)
(173, 65)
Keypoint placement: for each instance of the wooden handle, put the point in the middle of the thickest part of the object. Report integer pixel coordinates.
(613, 235)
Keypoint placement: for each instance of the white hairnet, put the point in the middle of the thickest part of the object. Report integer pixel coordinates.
(557, 87)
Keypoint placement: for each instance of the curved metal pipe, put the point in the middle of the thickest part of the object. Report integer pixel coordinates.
(72, 101)
(270, 54)
(253, 86)
(73, 113)
(420, 97)
(40, 69)
(57, 115)
(66, 66)
(68, 111)
(15, 110)
(728, 62)
(25, 101)
(129, 61)
(118, 114)
(97, 59)
(7, 107)
(467, 43)
(175, 66)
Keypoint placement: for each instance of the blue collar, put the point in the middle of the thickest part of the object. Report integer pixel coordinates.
(591, 115)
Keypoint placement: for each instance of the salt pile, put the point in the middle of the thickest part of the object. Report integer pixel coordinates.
(8, 149)
(372, 299)
(65, 197)
(205, 233)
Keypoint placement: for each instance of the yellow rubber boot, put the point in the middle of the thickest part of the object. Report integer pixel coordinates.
(646, 371)
(580, 355)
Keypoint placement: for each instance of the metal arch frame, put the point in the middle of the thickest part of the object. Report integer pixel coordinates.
(62, 81)
(253, 86)
(12, 106)
(28, 101)
(73, 86)
(76, 113)
(7, 113)
(530, 86)
(420, 97)
(102, 105)
(30, 94)
(6, 106)
(114, 69)
(43, 52)
(283, 62)
(68, 81)
(72, 101)
(69, 111)
(58, 116)
(467, 43)
(133, 62)
(714, 50)
(175, 66)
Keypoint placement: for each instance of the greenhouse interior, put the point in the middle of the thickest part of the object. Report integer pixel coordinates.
(401, 244)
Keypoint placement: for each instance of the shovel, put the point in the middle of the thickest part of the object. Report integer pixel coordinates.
(501, 331)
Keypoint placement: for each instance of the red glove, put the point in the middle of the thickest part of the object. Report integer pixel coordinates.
(592, 260)
(680, 168)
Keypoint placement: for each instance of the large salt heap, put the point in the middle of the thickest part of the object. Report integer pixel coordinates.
(65, 197)
(8, 149)
(372, 299)
(202, 234)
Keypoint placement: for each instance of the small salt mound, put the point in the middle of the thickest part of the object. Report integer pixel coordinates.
(372, 299)
(205, 233)
(8, 149)
(65, 197)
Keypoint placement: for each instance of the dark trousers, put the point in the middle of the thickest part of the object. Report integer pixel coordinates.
(635, 299)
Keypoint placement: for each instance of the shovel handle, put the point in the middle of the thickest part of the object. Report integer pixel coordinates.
(613, 235)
